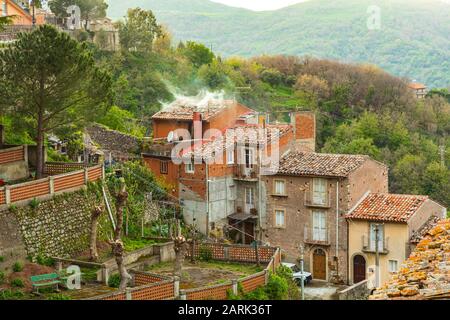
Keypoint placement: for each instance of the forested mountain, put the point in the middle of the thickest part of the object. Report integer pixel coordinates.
(413, 40)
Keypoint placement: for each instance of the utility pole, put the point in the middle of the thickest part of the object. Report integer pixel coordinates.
(377, 256)
(302, 279)
(34, 12)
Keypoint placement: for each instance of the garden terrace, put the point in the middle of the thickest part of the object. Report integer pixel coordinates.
(158, 286)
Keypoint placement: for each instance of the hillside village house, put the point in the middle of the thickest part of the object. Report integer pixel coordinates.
(21, 12)
(307, 200)
(398, 219)
(220, 196)
(419, 89)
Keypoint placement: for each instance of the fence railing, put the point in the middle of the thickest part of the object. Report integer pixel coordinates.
(48, 186)
(13, 154)
(149, 286)
(54, 168)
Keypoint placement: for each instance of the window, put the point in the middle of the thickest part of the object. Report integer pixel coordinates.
(373, 236)
(319, 226)
(319, 191)
(393, 266)
(249, 196)
(280, 188)
(280, 218)
(230, 156)
(164, 167)
(248, 158)
(189, 167)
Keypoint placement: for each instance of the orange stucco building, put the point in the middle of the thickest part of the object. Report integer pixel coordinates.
(20, 13)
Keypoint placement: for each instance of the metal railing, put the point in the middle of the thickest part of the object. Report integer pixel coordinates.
(317, 236)
(315, 201)
(368, 246)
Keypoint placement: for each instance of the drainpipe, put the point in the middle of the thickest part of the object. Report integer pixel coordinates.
(337, 227)
(207, 199)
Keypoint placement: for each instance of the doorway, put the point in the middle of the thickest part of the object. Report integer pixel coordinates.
(359, 268)
(319, 265)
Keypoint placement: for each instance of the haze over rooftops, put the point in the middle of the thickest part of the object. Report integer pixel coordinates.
(183, 108)
(387, 207)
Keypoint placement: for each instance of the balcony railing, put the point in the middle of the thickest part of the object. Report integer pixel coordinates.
(242, 172)
(159, 149)
(368, 246)
(315, 201)
(317, 236)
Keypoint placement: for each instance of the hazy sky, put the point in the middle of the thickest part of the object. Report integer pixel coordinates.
(259, 5)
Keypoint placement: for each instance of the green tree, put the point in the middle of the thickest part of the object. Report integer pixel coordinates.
(90, 9)
(436, 182)
(51, 81)
(139, 30)
(407, 174)
(213, 75)
(197, 53)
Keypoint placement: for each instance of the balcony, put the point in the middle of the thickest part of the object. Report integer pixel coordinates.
(244, 173)
(319, 202)
(159, 148)
(317, 237)
(369, 246)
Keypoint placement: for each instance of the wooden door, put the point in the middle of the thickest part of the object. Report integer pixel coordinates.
(249, 229)
(359, 269)
(319, 265)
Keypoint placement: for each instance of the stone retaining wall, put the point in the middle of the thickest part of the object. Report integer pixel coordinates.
(57, 227)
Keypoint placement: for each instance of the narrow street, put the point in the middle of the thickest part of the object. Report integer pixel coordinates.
(319, 290)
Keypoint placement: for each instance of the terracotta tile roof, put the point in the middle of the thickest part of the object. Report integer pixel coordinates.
(417, 85)
(425, 275)
(184, 108)
(387, 207)
(243, 133)
(418, 235)
(320, 164)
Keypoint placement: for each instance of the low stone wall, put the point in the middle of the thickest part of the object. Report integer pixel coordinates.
(358, 291)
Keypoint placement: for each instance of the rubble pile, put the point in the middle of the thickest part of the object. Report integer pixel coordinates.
(426, 273)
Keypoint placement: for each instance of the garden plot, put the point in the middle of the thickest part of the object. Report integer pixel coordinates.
(202, 273)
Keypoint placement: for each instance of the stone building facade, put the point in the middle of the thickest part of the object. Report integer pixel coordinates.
(307, 200)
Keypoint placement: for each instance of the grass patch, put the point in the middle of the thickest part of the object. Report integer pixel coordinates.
(136, 244)
(247, 269)
(89, 274)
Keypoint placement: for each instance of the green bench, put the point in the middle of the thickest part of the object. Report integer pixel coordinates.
(45, 280)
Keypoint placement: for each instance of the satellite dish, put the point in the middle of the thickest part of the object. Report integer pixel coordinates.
(170, 136)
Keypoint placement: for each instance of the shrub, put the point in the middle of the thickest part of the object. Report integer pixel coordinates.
(277, 288)
(45, 261)
(2, 277)
(2, 258)
(17, 283)
(58, 296)
(34, 203)
(114, 280)
(205, 253)
(11, 295)
(17, 267)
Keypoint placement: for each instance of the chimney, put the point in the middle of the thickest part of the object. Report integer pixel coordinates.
(198, 125)
(2, 135)
(304, 125)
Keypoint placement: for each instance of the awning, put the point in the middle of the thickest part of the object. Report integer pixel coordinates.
(242, 216)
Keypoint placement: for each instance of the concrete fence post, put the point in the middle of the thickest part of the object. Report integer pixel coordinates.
(105, 275)
(128, 294)
(8, 195)
(103, 171)
(176, 287)
(25, 154)
(183, 295)
(226, 253)
(235, 286)
(51, 181)
(266, 277)
(59, 265)
(86, 175)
